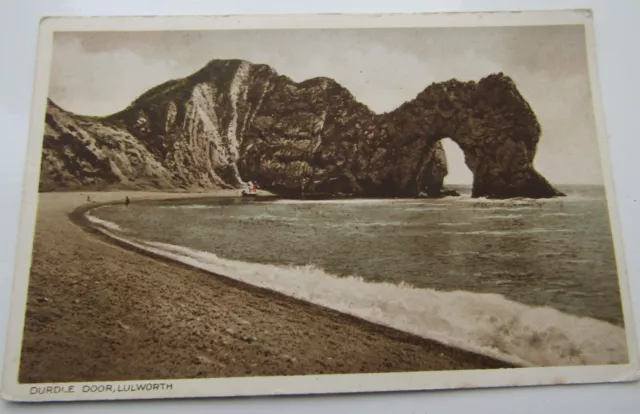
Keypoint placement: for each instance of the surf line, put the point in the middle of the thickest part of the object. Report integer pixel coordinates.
(80, 217)
(502, 332)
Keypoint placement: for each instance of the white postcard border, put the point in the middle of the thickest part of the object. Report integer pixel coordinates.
(308, 384)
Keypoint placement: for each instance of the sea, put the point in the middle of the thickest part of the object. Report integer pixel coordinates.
(533, 282)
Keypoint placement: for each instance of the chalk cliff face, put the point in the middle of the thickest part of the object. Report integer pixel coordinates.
(84, 153)
(233, 122)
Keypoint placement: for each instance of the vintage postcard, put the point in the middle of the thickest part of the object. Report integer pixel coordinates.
(304, 204)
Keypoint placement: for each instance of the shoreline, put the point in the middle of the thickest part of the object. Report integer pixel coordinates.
(340, 343)
(80, 218)
(505, 326)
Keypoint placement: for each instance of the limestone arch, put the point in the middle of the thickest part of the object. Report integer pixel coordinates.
(491, 123)
(361, 154)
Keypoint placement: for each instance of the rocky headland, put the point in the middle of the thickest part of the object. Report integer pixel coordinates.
(233, 121)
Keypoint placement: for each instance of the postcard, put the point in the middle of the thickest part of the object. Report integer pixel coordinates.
(308, 204)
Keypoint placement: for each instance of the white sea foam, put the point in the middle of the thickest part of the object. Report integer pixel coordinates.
(355, 224)
(345, 201)
(364, 201)
(504, 208)
(500, 217)
(433, 207)
(266, 217)
(509, 232)
(104, 223)
(454, 224)
(488, 324)
(560, 214)
(191, 206)
(507, 201)
(484, 323)
(576, 197)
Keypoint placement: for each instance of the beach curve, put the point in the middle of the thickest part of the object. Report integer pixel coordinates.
(101, 311)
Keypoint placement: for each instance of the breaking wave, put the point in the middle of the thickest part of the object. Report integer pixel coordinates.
(509, 232)
(364, 224)
(504, 208)
(427, 207)
(499, 255)
(265, 217)
(509, 201)
(488, 324)
(190, 206)
(340, 201)
(573, 197)
(365, 201)
(560, 214)
(500, 217)
(104, 223)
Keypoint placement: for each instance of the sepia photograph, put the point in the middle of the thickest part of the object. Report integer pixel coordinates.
(315, 203)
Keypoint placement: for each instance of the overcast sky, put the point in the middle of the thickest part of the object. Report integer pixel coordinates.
(98, 73)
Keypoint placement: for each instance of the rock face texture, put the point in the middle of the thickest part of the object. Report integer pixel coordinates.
(84, 153)
(233, 122)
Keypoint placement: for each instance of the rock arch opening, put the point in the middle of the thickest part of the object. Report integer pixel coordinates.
(458, 173)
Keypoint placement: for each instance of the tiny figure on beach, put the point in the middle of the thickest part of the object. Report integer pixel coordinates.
(127, 201)
(88, 199)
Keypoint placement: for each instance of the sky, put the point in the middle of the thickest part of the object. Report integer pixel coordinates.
(99, 73)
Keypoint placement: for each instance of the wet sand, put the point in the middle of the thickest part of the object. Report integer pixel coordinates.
(99, 312)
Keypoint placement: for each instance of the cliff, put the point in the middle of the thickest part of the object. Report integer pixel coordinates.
(85, 153)
(233, 121)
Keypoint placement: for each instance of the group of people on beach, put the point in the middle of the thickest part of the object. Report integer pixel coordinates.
(250, 189)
